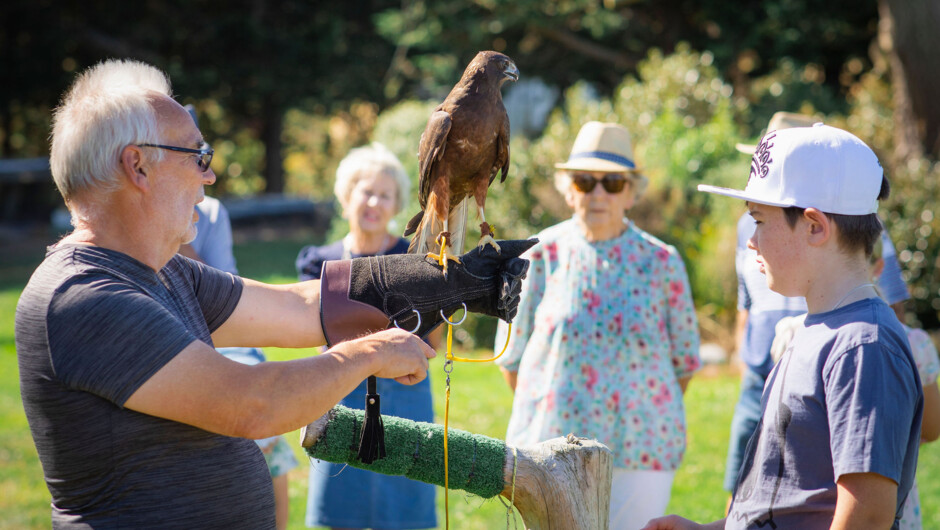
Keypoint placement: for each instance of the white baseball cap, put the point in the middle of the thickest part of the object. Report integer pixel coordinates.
(812, 167)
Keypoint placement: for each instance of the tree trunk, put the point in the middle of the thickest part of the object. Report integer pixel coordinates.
(908, 34)
(271, 129)
(6, 127)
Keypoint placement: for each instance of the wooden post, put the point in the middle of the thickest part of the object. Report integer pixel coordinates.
(562, 483)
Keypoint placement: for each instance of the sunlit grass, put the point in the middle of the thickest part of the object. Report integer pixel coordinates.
(480, 403)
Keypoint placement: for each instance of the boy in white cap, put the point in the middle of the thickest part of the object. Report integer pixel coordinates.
(840, 427)
(759, 310)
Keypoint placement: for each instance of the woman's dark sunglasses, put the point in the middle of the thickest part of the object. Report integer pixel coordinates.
(203, 160)
(612, 182)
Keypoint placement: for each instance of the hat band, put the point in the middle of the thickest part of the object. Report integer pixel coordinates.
(604, 155)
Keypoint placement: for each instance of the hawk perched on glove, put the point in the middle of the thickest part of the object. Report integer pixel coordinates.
(463, 147)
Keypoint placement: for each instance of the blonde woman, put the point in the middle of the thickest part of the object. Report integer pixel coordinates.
(371, 187)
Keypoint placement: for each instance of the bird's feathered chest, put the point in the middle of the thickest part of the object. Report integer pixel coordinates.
(464, 146)
(477, 119)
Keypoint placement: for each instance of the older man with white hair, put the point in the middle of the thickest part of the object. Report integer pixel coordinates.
(138, 421)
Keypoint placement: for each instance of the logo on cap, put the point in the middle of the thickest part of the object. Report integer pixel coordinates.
(760, 162)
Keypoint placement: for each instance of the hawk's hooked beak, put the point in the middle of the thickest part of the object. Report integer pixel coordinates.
(511, 73)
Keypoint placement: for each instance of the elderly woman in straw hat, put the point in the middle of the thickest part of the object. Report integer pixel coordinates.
(371, 187)
(606, 338)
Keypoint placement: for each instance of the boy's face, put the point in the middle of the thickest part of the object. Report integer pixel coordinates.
(781, 252)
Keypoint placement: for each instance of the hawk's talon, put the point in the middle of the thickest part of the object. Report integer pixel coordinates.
(488, 240)
(443, 257)
(487, 231)
(442, 238)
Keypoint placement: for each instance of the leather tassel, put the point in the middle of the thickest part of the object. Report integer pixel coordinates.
(372, 437)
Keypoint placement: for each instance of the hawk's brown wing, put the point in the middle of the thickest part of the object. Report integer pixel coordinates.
(501, 163)
(431, 151)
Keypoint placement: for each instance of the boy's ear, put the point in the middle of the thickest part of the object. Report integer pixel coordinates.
(818, 226)
(134, 168)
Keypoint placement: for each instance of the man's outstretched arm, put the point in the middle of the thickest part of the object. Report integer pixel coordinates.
(202, 388)
(285, 316)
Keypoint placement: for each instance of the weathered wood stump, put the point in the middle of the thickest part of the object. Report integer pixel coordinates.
(560, 484)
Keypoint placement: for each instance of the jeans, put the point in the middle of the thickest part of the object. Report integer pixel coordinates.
(746, 417)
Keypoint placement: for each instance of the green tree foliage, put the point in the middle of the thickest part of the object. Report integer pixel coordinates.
(913, 220)
(255, 59)
(601, 41)
(912, 211)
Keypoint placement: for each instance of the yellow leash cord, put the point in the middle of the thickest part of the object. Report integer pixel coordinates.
(449, 359)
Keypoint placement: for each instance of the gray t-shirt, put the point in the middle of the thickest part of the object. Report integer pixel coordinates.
(844, 398)
(92, 326)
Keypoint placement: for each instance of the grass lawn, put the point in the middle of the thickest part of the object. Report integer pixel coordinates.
(480, 402)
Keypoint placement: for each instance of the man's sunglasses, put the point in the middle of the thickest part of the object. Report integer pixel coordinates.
(203, 160)
(612, 182)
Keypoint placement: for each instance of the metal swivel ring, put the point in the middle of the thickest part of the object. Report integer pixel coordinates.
(395, 322)
(461, 320)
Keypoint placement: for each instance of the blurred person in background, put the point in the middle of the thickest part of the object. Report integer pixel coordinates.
(371, 187)
(606, 339)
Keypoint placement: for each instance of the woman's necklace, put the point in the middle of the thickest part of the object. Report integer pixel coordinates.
(844, 298)
(347, 246)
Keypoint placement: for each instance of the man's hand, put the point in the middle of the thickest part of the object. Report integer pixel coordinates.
(396, 354)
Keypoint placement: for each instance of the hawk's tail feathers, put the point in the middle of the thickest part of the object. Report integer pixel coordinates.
(425, 228)
(413, 224)
(457, 225)
(429, 226)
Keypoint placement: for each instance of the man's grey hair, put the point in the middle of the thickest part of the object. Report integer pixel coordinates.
(106, 109)
(366, 161)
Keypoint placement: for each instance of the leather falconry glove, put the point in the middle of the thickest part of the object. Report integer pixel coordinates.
(365, 295)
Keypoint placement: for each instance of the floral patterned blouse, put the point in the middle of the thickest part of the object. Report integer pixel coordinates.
(604, 332)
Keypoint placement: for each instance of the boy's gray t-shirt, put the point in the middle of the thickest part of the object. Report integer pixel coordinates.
(844, 398)
(92, 326)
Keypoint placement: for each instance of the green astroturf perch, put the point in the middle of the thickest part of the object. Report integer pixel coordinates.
(559, 483)
(416, 450)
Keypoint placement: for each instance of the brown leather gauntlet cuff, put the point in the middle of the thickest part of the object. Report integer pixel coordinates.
(341, 317)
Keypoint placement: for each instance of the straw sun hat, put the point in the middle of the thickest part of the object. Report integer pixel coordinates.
(780, 120)
(603, 147)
